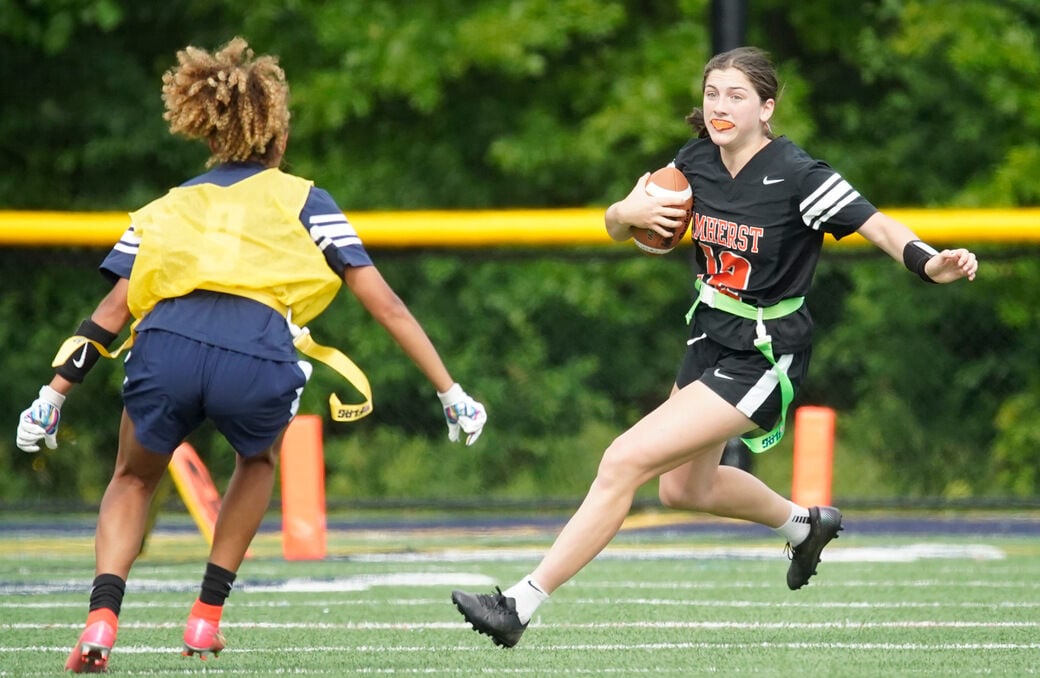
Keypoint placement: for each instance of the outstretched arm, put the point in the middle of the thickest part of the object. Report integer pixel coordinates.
(893, 237)
(40, 420)
(111, 315)
(461, 411)
(386, 307)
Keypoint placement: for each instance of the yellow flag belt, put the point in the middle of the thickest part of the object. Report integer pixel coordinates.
(303, 342)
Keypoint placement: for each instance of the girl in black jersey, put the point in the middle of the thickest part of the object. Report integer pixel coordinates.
(762, 206)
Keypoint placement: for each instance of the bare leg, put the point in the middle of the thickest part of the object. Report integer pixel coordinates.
(723, 491)
(701, 484)
(241, 511)
(123, 516)
(691, 426)
(243, 507)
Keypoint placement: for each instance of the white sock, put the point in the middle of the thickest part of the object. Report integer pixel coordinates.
(796, 529)
(528, 596)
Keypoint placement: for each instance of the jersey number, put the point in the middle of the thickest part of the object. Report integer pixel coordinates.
(728, 270)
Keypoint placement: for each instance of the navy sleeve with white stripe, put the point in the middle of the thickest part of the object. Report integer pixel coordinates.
(120, 259)
(332, 232)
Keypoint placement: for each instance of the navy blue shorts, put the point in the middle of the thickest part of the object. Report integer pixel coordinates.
(174, 383)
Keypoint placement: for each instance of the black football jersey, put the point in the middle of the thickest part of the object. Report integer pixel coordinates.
(758, 235)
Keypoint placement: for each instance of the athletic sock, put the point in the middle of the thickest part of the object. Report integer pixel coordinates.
(216, 587)
(106, 599)
(528, 596)
(796, 529)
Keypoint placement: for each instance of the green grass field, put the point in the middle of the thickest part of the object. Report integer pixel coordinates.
(656, 603)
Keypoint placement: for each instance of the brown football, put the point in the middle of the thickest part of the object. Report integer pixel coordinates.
(668, 182)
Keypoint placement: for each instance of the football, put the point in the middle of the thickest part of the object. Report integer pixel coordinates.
(668, 182)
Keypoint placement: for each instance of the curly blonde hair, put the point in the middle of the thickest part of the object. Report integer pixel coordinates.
(237, 102)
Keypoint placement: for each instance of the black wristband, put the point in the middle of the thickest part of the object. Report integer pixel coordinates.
(80, 362)
(916, 254)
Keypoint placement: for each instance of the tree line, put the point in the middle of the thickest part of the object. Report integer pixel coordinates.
(554, 103)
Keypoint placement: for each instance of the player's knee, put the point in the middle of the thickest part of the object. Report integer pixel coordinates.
(140, 480)
(674, 495)
(669, 495)
(265, 457)
(681, 493)
(619, 466)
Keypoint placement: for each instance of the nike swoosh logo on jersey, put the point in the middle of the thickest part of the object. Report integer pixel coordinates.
(720, 375)
(82, 357)
(766, 181)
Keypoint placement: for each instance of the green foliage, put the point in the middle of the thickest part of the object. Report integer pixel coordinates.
(926, 370)
(539, 345)
(46, 295)
(903, 93)
(501, 103)
(399, 104)
(82, 125)
(935, 386)
(498, 103)
(1018, 418)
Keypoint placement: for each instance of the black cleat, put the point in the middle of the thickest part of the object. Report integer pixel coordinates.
(491, 614)
(824, 525)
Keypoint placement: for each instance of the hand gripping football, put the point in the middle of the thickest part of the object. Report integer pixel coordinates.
(668, 182)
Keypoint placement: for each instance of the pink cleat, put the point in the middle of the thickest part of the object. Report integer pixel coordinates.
(91, 652)
(202, 637)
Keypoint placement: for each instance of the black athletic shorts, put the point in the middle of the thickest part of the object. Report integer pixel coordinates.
(743, 378)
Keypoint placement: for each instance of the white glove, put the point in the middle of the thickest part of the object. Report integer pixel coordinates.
(462, 413)
(40, 421)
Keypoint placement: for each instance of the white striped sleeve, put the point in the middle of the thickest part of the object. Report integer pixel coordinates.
(826, 201)
(129, 242)
(332, 229)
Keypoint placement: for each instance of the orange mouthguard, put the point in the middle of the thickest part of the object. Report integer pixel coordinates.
(722, 125)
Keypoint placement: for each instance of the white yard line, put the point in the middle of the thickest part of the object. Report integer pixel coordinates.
(543, 648)
(240, 603)
(454, 626)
